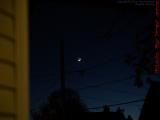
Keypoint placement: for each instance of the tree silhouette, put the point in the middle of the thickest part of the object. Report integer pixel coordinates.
(120, 114)
(129, 118)
(107, 114)
(141, 59)
(106, 109)
(53, 108)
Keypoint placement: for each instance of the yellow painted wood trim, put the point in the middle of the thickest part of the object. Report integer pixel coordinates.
(21, 56)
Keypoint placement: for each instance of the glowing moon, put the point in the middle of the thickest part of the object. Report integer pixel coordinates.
(79, 59)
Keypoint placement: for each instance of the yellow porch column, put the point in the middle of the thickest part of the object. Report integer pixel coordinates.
(14, 98)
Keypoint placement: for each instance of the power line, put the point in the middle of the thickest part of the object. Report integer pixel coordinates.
(106, 83)
(116, 91)
(117, 104)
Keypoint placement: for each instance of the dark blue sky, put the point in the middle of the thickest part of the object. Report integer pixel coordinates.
(101, 37)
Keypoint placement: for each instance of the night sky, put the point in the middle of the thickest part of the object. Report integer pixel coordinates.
(101, 37)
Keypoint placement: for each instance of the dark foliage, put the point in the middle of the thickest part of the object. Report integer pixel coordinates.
(141, 59)
(55, 109)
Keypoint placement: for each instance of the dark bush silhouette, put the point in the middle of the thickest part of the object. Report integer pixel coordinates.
(106, 109)
(129, 118)
(54, 108)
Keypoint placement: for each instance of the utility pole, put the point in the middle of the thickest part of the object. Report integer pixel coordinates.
(62, 76)
(62, 73)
